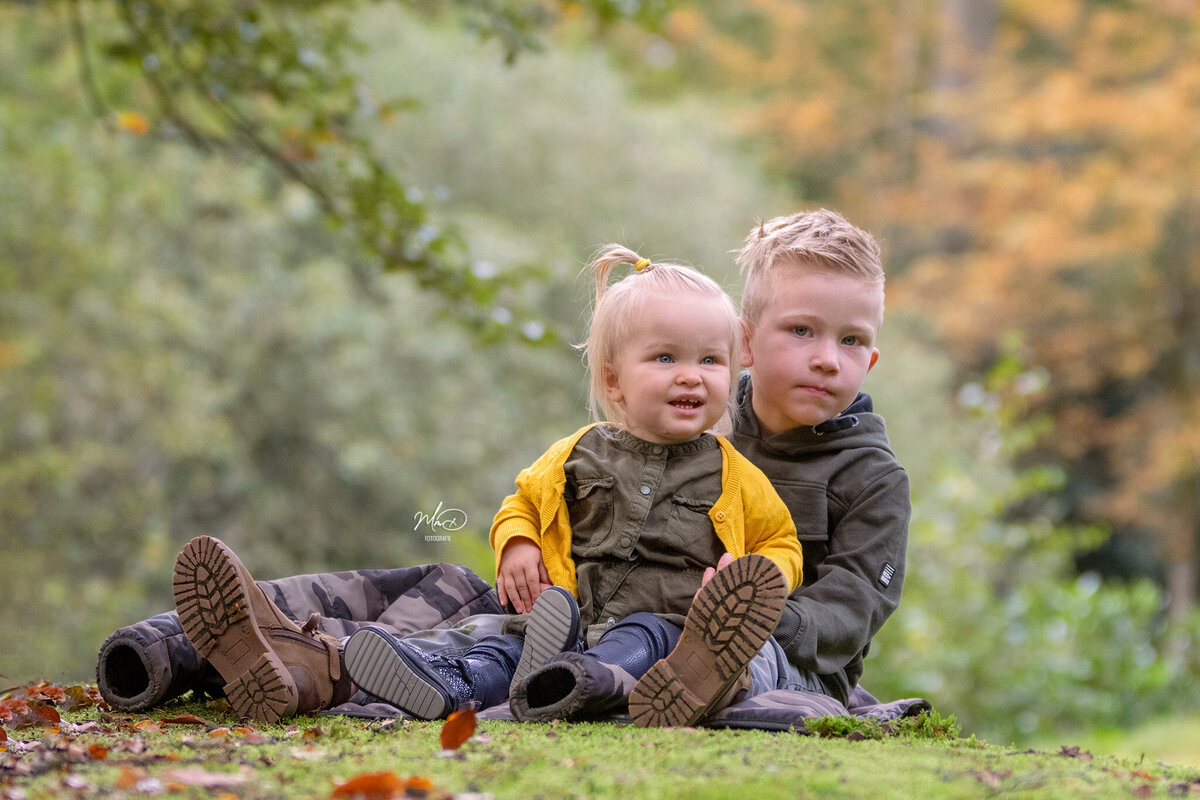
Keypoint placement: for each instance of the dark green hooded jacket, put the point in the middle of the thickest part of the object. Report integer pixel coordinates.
(849, 499)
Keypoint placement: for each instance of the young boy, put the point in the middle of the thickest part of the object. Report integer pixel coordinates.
(811, 310)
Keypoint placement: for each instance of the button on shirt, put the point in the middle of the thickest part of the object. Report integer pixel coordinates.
(640, 532)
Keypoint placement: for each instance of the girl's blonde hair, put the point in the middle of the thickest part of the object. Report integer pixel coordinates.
(619, 306)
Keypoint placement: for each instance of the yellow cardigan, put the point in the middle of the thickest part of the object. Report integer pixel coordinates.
(748, 517)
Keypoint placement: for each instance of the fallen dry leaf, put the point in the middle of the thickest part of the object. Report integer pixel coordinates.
(47, 714)
(185, 719)
(372, 786)
(457, 728)
(96, 752)
(308, 753)
(991, 777)
(418, 784)
(194, 776)
(129, 777)
(1074, 752)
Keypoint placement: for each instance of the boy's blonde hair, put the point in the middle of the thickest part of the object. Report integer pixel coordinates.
(619, 306)
(822, 239)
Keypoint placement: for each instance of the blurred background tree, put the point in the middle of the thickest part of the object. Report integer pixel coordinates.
(1023, 162)
(295, 275)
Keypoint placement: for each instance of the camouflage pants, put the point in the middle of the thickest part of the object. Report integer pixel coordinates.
(438, 606)
(405, 601)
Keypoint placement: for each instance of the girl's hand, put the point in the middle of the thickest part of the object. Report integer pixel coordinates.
(724, 561)
(522, 575)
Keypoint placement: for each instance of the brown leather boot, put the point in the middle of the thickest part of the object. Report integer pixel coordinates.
(730, 619)
(271, 666)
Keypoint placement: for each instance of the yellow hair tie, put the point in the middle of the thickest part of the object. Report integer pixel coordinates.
(641, 264)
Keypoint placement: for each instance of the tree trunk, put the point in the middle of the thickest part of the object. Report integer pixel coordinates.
(968, 29)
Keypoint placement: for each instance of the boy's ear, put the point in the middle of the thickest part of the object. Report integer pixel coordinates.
(874, 358)
(747, 331)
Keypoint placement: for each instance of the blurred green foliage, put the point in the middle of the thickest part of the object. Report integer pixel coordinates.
(186, 348)
(995, 624)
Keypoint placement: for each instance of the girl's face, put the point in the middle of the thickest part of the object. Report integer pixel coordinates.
(672, 376)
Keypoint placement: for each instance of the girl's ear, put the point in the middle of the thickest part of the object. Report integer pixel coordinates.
(747, 333)
(612, 385)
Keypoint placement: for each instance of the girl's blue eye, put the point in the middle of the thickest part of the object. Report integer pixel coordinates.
(709, 360)
(664, 358)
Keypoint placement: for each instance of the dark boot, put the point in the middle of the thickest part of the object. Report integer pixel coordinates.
(151, 662)
(432, 686)
(552, 628)
(272, 667)
(730, 619)
(589, 684)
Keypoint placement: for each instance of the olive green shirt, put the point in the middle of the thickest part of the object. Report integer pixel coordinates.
(640, 532)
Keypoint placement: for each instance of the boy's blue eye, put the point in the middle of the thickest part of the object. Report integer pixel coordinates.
(800, 330)
(850, 341)
(664, 358)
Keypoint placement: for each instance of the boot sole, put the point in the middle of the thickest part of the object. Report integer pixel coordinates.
(214, 610)
(728, 622)
(393, 674)
(552, 628)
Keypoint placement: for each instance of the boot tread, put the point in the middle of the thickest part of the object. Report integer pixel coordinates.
(728, 623)
(387, 671)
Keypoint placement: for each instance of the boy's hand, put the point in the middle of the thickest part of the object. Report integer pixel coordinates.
(724, 561)
(522, 575)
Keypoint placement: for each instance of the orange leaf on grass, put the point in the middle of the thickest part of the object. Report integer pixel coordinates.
(47, 714)
(418, 784)
(372, 786)
(185, 719)
(3, 735)
(457, 728)
(96, 752)
(129, 777)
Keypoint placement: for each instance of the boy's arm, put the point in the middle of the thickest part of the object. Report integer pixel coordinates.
(829, 622)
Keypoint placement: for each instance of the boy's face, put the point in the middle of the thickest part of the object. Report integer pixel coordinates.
(672, 377)
(812, 347)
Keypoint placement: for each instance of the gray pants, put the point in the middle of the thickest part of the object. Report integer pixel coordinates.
(770, 670)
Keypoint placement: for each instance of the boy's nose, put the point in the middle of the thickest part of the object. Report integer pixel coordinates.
(825, 355)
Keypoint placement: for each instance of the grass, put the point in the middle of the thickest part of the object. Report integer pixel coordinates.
(91, 753)
(1172, 740)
